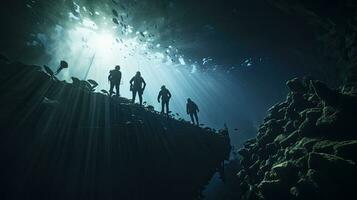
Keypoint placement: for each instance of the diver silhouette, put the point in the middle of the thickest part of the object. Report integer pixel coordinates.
(114, 79)
(165, 96)
(192, 110)
(137, 85)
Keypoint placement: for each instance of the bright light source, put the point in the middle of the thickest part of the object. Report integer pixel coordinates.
(103, 40)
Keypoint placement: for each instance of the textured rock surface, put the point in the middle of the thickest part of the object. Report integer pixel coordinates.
(63, 141)
(305, 148)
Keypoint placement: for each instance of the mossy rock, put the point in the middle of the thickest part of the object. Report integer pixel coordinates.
(324, 146)
(346, 150)
(279, 138)
(274, 189)
(334, 167)
(286, 171)
(307, 143)
(291, 139)
(295, 153)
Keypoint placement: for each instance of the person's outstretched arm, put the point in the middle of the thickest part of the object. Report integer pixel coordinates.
(131, 81)
(109, 76)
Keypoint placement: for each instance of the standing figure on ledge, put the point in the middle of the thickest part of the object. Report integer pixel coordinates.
(137, 85)
(165, 96)
(114, 79)
(192, 110)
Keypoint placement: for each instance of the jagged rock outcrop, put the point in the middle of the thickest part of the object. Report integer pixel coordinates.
(305, 148)
(61, 140)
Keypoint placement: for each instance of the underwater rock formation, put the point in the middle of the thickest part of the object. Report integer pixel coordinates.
(61, 140)
(305, 148)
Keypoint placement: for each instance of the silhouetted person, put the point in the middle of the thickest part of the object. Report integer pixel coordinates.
(63, 65)
(114, 79)
(192, 110)
(137, 85)
(165, 96)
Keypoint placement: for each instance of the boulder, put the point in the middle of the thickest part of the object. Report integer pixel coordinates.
(349, 89)
(244, 152)
(245, 162)
(277, 111)
(252, 194)
(279, 138)
(324, 146)
(336, 168)
(292, 138)
(289, 127)
(274, 126)
(316, 177)
(281, 113)
(267, 138)
(313, 113)
(306, 143)
(346, 150)
(264, 168)
(330, 122)
(274, 189)
(295, 153)
(330, 97)
(296, 85)
(305, 189)
(241, 174)
(254, 167)
(286, 171)
(327, 111)
(263, 153)
(271, 148)
(308, 128)
(277, 107)
(302, 163)
(252, 172)
(299, 103)
(250, 142)
(334, 175)
(314, 99)
(339, 120)
(291, 112)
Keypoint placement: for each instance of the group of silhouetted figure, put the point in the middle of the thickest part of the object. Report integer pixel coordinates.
(137, 87)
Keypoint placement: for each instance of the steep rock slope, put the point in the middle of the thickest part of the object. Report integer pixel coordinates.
(306, 147)
(64, 141)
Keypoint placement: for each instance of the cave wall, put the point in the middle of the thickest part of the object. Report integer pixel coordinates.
(334, 24)
(305, 148)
